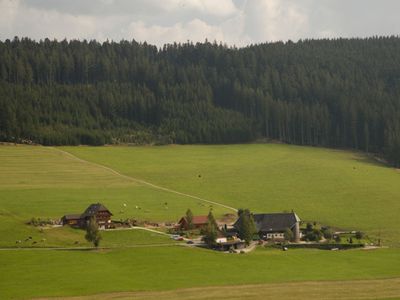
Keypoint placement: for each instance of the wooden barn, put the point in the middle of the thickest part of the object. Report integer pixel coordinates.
(97, 210)
(71, 220)
(198, 222)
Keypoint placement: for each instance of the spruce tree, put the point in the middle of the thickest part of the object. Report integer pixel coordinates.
(246, 226)
(211, 230)
(79, 92)
(189, 219)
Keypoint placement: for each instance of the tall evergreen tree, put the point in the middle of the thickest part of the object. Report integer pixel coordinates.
(189, 219)
(211, 230)
(339, 93)
(246, 227)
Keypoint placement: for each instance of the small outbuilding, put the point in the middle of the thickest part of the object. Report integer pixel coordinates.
(71, 220)
(231, 245)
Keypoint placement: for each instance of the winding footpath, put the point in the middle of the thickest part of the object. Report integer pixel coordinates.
(154, 186)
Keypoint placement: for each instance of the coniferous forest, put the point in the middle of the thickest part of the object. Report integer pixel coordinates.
(342, 93)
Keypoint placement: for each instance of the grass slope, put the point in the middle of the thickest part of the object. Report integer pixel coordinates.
(338, 188)
(68, 273)
(348, 290)
(46, 183)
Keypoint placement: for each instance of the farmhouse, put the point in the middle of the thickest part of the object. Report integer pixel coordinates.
(97, 210)
(197, 221)
(274, 225)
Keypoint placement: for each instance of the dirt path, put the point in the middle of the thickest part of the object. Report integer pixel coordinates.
(154, 186)
(327, 290)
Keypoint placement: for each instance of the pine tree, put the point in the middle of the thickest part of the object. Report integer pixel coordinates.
(211, 219)
(211, 230)
(210, 235)
(189, 219)
(79, 92)
(246, 226)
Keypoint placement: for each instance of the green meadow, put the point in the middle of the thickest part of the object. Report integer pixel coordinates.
(46, 183)
(33, 273)
(343, 189)
(337, 188)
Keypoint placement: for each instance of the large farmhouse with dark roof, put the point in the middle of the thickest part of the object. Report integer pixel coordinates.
(274, 225)
(97, 210)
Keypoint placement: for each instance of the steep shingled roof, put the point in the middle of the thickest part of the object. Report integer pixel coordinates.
(93, 209)
(274, 221)
(199, 220)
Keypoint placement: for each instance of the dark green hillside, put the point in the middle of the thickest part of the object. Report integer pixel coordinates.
(339, 93)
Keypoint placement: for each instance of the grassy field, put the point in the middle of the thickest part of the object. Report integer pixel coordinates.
(304, 290)
(45, 183)
(68, 273)
(338, 188)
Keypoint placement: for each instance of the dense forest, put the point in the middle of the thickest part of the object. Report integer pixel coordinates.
(341, 93)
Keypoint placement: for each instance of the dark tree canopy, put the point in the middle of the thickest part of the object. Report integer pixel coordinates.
(189, 219)
(245, 225)
(210, 231)
(339, 93)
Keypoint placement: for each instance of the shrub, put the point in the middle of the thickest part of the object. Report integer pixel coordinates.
(288, 234)
(359, 235)
(313, 235)
(327, 233)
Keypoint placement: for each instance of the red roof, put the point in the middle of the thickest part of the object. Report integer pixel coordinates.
(198, 220)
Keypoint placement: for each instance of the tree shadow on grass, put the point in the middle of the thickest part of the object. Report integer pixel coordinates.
(371, 159)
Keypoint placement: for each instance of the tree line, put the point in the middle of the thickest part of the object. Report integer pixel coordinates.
(341, 93)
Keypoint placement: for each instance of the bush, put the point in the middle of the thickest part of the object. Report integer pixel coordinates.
(359, 235)
(320, 246)
(41, 222)
(313, 235)
(327, 233)
(288, 234)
